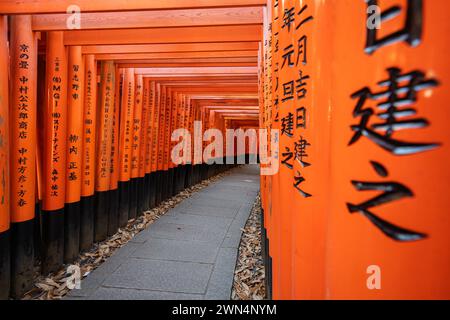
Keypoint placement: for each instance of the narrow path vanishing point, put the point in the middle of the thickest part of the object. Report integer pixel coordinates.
(189, 253)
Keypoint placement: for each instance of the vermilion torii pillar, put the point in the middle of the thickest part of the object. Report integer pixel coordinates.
(23, 64)
(75, 113)
(4, 164)
(54, 160)
(104, 144)
(88, 161)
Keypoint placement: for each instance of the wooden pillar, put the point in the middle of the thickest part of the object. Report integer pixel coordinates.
(75, 113)
(4, 163)
(23, 53)
(143, 192)
(151, 166)
(113, 222)
(88, 158)
(54, 160)
(104, 144)
(125, 139)
(135, 147)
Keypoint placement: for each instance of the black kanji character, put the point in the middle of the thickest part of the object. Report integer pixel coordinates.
(392, 191)
(392, 107)
(410, 33)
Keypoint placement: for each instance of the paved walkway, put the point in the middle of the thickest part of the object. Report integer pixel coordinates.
(189, 253)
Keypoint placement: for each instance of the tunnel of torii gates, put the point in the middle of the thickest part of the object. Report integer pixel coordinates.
(88, 103)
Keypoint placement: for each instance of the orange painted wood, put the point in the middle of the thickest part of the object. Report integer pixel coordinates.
(114, 167)
(55, 118)
(75, 112)
(89, 126)
(140, 64)
(23, 135)
(166, 35)
(136, 138)
(194, 71)
(144, 153)
(178, 55)
(152, 19)
(60, 6)
(4, 126)
(126, 125)
(105, 126)
(171, 47)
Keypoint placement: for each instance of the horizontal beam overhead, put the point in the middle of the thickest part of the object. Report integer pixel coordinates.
(164, 35)
(178, 55)
(201, 71)
(61, 6)
(166, 64)
(152, 19)
(171, 47)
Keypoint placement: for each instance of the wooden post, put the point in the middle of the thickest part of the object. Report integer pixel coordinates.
(54, 160)
(23, 153)
(113, 222)
(104, 144)
(75, 112)
(126, 127)
(5, 266)
(143, 192)
(135, 147)
(151, 165)
(89, 142)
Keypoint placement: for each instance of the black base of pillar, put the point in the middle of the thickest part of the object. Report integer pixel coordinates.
(158, 187)
(87, 222)
(52, 240)
(5, 264)
(124, 203)
(133, 198)
(22, 257)
(71, 232)
(188, 177)
(164, 184)
(147, 192)
(37, 232)
(169, 183)
(141, 196)
(113, 212)
(101, 216)
(152, 186)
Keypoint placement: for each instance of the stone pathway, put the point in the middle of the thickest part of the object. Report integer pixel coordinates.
(189, 253)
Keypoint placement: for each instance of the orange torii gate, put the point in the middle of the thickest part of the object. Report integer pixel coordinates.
(111, 104)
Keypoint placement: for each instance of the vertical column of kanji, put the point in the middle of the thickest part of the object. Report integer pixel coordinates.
(167, 142)
(311, 127)
(275, 182)
(154, 145)
(181, 125)
(187, 141)
(173, 119)
(74, 155)
(104, 144)
(4, 163)
(54, 159)
(22, 118)
(125, 144)
(113, 222)
(88, 158)
(198, 142)
(388, 223)
(189, 126)
(143, 182)
(148, 143)
(135, 183)
(161, 149)
(156, 164)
